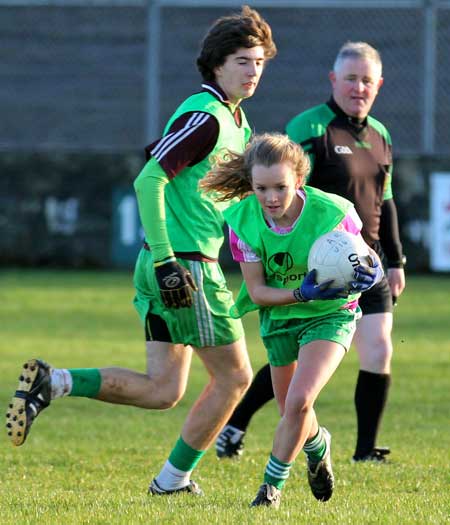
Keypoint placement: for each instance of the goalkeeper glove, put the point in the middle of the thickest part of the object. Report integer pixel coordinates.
(310, 290)
(175, 283)
(367, 276)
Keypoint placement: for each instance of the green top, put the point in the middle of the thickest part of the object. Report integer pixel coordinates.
(193, 220)
(285, 256)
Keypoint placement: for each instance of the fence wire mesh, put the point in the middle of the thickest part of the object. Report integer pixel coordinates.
(105, 76)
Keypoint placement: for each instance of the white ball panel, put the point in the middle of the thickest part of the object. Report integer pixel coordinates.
(334, 256)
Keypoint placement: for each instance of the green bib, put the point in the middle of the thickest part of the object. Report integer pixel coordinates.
(285, 256)
(194, 220)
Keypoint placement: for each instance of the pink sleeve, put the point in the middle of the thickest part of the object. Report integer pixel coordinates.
(351, 223)
(240, 251)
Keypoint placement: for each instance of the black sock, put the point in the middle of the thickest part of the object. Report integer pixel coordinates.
(259, 393)
(370, 399)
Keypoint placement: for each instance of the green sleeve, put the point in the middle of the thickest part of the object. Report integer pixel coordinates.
(296, 129)
(149, 187)
(382, 130)
(387, 194)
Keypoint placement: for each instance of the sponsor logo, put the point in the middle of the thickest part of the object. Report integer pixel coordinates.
(289, 278)
(343, 150)
(280, 263)
(172, 280)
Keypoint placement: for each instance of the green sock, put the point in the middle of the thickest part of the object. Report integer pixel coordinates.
(184, 457)
(277, 472)
(86, 382)
(316, 447)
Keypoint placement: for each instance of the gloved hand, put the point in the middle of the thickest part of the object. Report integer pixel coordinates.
(310, 290)
(175, 283)
(367, 276)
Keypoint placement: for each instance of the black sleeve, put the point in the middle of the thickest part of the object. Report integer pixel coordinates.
(190, 139)
(390, 235)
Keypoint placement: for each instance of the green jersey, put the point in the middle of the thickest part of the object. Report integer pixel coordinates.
(194, 220)
(284, 256)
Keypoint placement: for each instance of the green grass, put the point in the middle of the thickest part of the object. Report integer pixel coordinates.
(87, 462)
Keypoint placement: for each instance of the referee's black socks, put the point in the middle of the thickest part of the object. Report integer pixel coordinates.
(258, 394)
(370, 399)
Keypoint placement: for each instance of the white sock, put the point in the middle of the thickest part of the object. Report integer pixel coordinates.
(171, 478)
(61, 382)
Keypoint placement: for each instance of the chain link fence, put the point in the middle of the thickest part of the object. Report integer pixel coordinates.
(86, 84)
(105, 75)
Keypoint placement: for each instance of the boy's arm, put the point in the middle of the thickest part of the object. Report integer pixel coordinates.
(149, 187)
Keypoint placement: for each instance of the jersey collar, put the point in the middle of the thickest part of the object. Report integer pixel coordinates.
(358, 123)
(217, 92)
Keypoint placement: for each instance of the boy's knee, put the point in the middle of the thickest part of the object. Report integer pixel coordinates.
(244, 378)
(236, 382)
(166, 397)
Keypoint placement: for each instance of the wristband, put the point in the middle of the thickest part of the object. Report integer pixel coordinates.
(399, 263)
(298, 296)
(157, 264)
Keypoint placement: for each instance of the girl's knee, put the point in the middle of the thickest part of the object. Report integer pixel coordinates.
(298, 405)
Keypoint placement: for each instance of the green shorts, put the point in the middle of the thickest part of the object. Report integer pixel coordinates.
(283, 337)
(207, 322)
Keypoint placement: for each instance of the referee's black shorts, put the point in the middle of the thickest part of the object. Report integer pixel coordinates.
(377, 300)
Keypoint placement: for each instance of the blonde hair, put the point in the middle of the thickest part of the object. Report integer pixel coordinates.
(357, 50)
(231, 176)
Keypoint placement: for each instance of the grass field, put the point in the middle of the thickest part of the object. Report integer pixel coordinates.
(86, 462)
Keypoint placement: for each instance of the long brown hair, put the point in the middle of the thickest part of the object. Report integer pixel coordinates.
(231, 176)
(228, 34)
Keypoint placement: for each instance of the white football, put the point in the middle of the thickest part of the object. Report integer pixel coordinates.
(334, 255)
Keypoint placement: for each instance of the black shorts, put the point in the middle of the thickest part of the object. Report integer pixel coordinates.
(156, 329)
(377, 300)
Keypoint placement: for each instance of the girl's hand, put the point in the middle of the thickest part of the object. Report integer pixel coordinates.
(311, 291)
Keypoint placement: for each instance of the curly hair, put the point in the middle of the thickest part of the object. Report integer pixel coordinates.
(231, 176)
(228, 34)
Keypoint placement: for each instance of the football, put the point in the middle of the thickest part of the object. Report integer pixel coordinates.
(334, 255)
